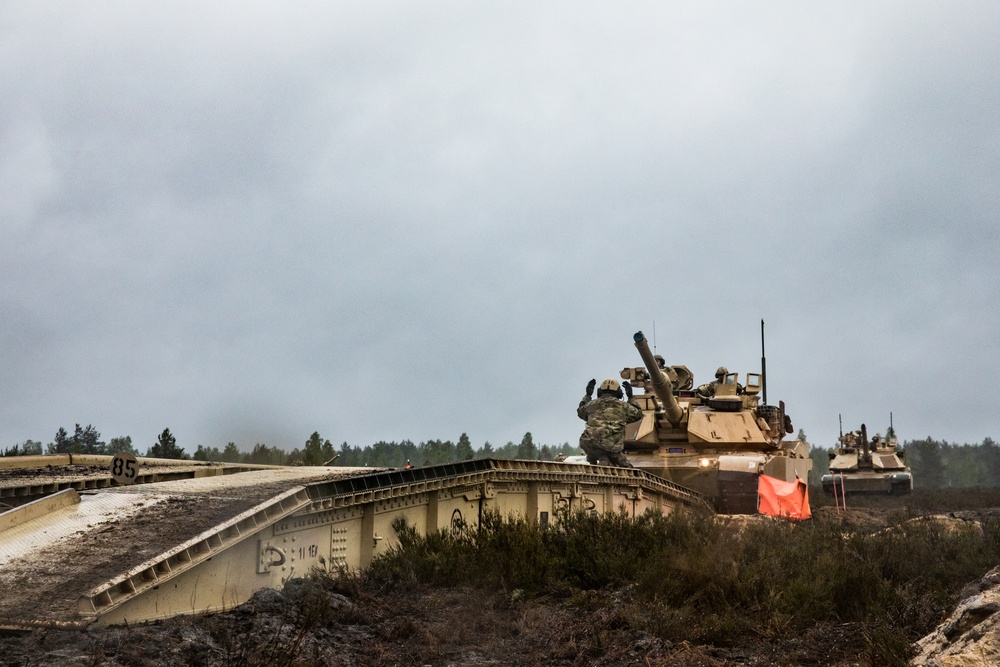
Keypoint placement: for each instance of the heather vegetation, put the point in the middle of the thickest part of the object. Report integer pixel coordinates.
(695, 578)
(686, 589)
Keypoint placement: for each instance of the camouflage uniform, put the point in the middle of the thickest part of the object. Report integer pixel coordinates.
(708, 390)
(604, 437)
(851, 440)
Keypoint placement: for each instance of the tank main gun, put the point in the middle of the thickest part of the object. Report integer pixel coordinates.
(866, 454)
(662, 386)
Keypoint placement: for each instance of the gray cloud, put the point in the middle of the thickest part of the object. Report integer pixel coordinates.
(249, 222)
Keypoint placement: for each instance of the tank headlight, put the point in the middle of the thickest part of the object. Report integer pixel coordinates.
(704, 463)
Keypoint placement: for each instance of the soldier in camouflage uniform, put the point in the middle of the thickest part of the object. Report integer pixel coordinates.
(851, 440)
(708, 390)
(604, 437)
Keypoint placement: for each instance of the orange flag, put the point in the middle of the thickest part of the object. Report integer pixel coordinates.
(784, 499)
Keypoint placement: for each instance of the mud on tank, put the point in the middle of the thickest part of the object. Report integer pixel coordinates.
(718, 442)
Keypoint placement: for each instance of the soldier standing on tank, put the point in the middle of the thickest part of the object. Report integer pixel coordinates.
(603, 438)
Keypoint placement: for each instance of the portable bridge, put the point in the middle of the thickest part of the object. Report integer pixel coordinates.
(78, 549)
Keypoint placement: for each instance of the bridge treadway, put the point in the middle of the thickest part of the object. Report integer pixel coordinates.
(48, 563)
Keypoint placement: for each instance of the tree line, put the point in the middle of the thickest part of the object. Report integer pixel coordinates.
(936, 464)
(87, 440)
(315, 451)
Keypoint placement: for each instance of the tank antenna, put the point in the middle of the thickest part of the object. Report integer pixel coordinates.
(654, 335)
(840, 418)
(763, 362)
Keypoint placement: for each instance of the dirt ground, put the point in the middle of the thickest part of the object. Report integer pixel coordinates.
(453, 627)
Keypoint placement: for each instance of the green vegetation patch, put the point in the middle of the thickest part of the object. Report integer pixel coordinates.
(715, 580)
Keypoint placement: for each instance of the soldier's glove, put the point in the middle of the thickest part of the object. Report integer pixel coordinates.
(590, 388)
(628, 389)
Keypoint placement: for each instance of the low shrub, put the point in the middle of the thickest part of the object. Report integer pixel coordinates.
(705, 579)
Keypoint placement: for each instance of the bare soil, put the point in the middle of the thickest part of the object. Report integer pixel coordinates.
(451, 627)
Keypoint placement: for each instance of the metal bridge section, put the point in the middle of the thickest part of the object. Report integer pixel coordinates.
(57, 472)
(117, 554)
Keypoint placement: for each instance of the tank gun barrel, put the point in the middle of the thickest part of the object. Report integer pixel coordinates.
(661, 383)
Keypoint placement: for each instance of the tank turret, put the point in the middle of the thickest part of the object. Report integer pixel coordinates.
(717, 439)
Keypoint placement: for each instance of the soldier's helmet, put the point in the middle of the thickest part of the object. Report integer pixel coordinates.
(610, 386)
(721, 372)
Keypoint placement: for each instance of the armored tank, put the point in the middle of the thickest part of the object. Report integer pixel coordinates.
(860, 466)
(717, 439)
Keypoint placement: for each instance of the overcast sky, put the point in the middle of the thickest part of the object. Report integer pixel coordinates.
(249, 221)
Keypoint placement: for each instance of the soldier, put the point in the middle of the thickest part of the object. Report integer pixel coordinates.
(708, 390)
(603, 439)
(851, 440)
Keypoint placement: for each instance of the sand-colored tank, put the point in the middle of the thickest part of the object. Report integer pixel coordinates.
(717, 439)
(860, 466)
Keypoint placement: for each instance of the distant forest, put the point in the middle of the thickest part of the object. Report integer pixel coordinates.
(315, 450)
(934, 463)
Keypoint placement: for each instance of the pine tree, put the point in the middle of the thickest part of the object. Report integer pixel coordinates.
(232, 453)
(166, 447)
(463, 450)
(527, 450)
(62, 443)
(318, 451)
(926, 460)
(88, 440)
(122, 443)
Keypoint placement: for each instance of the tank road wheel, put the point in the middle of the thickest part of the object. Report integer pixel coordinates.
(457, 523)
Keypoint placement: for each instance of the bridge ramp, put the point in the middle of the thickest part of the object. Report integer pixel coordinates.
(139, 553)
